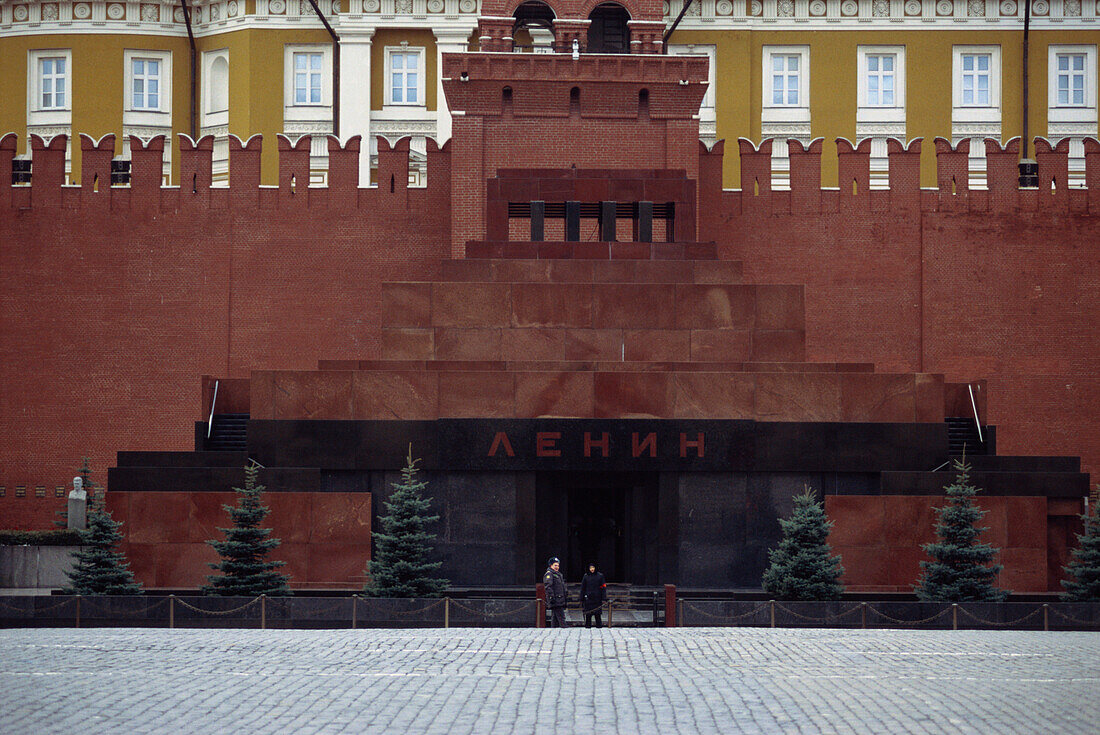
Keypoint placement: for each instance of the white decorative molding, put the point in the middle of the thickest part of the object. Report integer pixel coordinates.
(216, 130)
(49, 132)
(400, 128)
(295, 130)
(148, 132)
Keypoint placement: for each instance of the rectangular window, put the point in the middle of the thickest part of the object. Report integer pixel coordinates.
(307, 78)
(785, 101)
(785, 79)
(880, 80)
(405, 77)
(1071, 80)
(52, 76)
(976, 80)
(145, 81)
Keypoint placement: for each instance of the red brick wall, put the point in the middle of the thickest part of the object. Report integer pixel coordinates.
(114, 305)
(1001, 285)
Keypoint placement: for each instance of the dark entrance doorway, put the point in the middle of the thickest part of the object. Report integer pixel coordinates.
(609, 32)
(609, 518)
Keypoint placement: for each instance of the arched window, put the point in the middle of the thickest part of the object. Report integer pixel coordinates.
(608, 33)
(533, 29)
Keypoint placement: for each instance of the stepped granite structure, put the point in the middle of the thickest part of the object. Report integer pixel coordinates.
(597, 351)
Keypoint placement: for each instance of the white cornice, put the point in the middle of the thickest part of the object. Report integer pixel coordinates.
(211, 17)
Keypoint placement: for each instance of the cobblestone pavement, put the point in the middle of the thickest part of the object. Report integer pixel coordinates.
(571, 681)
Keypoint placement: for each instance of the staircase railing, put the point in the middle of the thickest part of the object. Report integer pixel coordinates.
(974, 405)
(214, 402)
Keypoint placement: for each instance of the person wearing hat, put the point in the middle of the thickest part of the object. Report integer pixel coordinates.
(556, 596)
(593, 594)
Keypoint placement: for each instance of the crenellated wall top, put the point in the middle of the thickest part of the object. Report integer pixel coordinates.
(952, 192)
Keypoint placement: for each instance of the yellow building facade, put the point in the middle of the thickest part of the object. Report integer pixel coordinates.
(780, 68)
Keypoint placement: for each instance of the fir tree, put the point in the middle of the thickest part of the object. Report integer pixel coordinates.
(801, 567)
(961, 569)
(401, 567)
(100, 569)
(244, 569)
(1085, 567)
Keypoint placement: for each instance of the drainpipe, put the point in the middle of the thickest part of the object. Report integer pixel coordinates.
(194, 55)
(335, 69)
(1029, 170)
(680, 17)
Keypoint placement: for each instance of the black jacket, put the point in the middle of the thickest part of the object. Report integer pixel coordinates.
(593, 590)
(556, 595)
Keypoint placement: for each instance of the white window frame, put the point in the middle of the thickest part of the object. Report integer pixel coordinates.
(1072, 121)
(781, 122)
(53, 83)
(421, 70)
(146, 83)
(311, 111)
(895, 110)
(880, 122)
(161, 115)
(800, 112)
(1070, 113)
(976, 112)
(975, 121)
(53, 114)
(308, 79)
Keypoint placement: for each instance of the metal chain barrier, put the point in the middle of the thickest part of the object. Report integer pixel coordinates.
(430, 606)
(218, 612)
(66, 601)
(523, 607)
(815, 619)
(1072, 619)
(975, 618)
(742, 616)
(88, 601)
(899, 621)
(317, 613)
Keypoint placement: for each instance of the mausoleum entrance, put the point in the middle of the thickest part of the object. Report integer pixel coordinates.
(609, 518)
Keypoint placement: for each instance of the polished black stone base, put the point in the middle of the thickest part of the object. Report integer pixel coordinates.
(695, 503)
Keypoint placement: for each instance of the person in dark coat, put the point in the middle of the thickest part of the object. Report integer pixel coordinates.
(593, 595)
(556, 595)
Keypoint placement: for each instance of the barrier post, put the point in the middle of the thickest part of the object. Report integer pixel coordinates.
(171, 611)
(772, 604)
(863, 614)
(354, 608)
(954, 616)
(263, 612)
(670, 606)
(540, 605)
(78, 611)
(446, 612)
(610, 607)
(1046, 617)
(680, 613)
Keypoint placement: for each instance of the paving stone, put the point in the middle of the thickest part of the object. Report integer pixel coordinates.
(522, 680)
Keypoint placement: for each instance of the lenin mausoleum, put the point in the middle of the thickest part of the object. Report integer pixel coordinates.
(627, 276)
